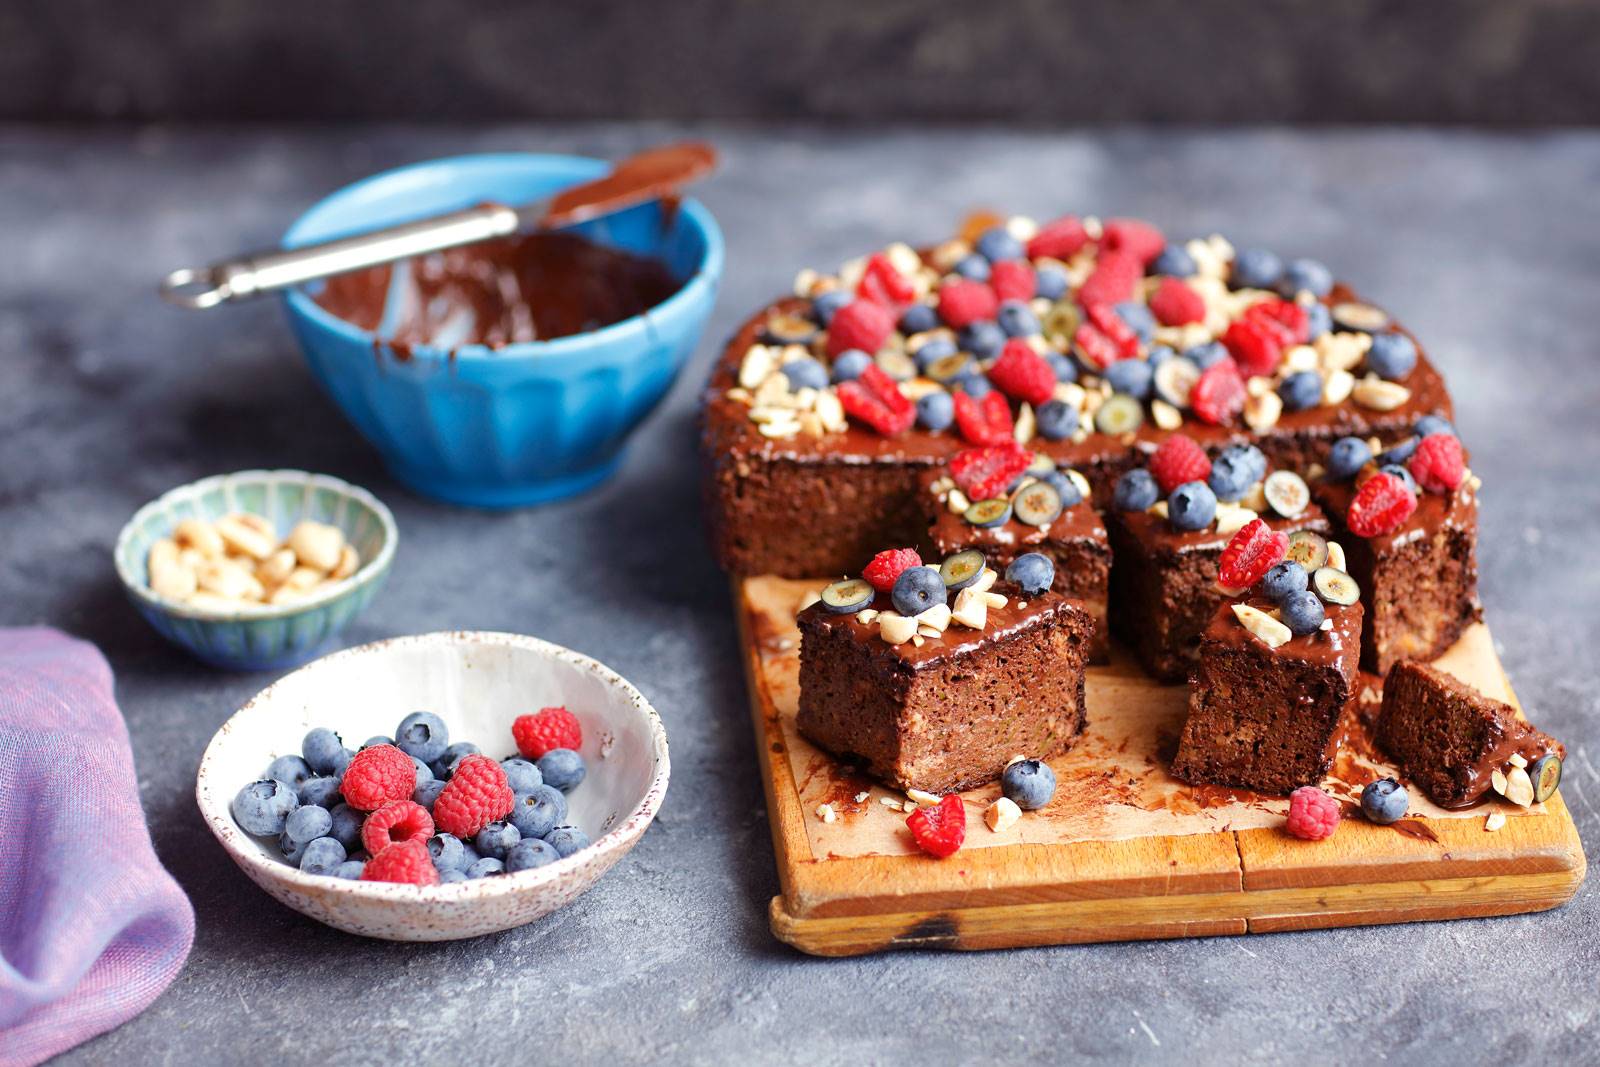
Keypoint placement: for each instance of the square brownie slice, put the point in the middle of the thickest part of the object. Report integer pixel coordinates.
(1453, 741)
(1263, 702)
(1418, 573)
(946, 707)
(1164, 590)
(1073, 537)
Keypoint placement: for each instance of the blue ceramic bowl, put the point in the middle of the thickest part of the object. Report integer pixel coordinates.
(260, 637)
(529, 422)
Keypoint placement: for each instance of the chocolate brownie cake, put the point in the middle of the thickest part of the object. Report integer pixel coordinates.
(1408, 516)
(1457, 744)
(1169, 523)
(942, 699)
(1007, 501)
(1083, 340)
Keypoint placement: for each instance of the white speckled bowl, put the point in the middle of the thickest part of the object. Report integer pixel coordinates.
(478, 683)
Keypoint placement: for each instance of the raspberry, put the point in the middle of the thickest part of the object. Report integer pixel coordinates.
(1060, 239)
(985, 473)
(874, 399)
(1135, 237)
(1022, 374)
(1313, 814)
(545, 729)
(378, 775)
(1218, 394)
(1177, 461)
(1105, 319)
(859, 324)
(1175, 304)
(1438, 464)
(965, 302)
(1254, 347)
(1113, 280)
(475, 796)
(407, 862)
(986, 421)
(940, 830)
(1382, 505)
(1286, 318)
(1094, 346)
(882, 284)
(1253, 551)
(1012, 279)
(396, 821)
(888, 565)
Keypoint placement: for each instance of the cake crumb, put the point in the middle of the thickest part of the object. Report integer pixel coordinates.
(1002, 814)
(1495, 820)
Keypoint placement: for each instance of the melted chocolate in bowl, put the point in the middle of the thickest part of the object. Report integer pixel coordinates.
(529, 287)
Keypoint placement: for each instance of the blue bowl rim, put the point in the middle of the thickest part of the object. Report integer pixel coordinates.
(369, 571)
(705, 276)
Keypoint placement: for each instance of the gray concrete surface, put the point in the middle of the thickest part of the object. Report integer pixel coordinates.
(1486, 245)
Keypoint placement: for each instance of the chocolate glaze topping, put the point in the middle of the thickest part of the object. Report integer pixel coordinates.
(1152, 529)
(952, 533)
(1341, 643)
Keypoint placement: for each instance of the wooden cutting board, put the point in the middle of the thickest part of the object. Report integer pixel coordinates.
(1124, 851)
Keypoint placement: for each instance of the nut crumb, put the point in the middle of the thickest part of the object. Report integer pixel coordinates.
(861, 797)
(922, 798)
(1495, 820)
(826, 813)
(1002, 815)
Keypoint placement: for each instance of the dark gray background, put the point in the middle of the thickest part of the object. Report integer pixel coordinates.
(1034, 61)
(1483, 244)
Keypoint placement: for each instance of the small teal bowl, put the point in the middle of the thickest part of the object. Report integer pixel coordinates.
(530, 422)
(261, 637)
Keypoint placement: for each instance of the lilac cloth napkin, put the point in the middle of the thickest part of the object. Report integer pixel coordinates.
(92, 929)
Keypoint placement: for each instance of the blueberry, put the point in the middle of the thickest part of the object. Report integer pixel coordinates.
(291, 849)
(350, 870)
(805, 373)
(307, 823)
(452, 877)
(447, 852)
(374, 742)
(471, 854)
(566, 840)
(1391, 356)
(564, 769)
(322, 856)
(1017, 319)
(1398, 453)
(445, 765)
(1256, 268)
(936, 411)
(1302, 612)
(1403, 474)
(1033, 571)
(1136, 491)
(850, 364)
(919, 318)
(496, 839)
(823, 305)
(983, 339)
(973, 267)
(521, 776)
(1192, 506)
(422, 735)
(1028, 783)
(530, 854)
(537, 813)
(1057, 420)
(261, 808)
(1066, 370)
(290, 769)
(1384, 801)
(915, 591)
(1347, 456)
(1139, 319)
(1301, 390)
(346, 826)
(324, 751)
(424, 773)
(1235, 470)
(428, 792)
(1306, 275)
(1066, 488)
(1432, 424)
(1285, 578)
(997, 244)
(976, 386)
(933, 350)
(1204, 355)
(487, 867)
(323, 792)
(1050, 282)
(1176, 261)
(1319, 320)
(1131, 376)
(1158, 355)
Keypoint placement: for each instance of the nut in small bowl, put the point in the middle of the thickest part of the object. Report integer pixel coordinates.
(478, 683)
(256, 570)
